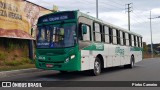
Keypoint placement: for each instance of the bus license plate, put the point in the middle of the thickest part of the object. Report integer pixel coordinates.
(49, 65)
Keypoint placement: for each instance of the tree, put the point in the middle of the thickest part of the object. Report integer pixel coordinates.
(145, 47)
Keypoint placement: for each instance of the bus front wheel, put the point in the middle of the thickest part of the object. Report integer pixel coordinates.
(97, 67)
(63, 72)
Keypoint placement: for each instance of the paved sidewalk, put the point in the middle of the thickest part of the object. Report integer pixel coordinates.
(16, 72)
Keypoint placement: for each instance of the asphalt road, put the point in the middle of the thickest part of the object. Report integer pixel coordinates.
(146, 70)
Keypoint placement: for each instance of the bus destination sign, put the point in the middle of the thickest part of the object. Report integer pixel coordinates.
(57, 17)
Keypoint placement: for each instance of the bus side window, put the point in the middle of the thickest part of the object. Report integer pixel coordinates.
(121, 37)
(110, 35)
(141, 42)
(118, 37)
(84, 32)
(138, 41)
(135, 41)
(114, 36)
(124, 39)
(106, 34)
(127, 39)
(130, 40)
(97, 32)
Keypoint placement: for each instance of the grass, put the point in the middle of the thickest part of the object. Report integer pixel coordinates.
(26, 60)
(14, 54)
(149, 56)
(8, 68)
(12, 61)
(24, 63)
(2, 56)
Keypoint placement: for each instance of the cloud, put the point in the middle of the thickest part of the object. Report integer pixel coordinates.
(113, 11)
(114, 17)
(156, 11)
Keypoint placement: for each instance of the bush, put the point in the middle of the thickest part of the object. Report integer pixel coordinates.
(2, 56)
(26, 60)
(13, 63)
(18, 62)
(14, 52)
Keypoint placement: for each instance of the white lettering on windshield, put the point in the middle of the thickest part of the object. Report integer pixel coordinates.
(63, 17)
(44, 44)
(56, 18)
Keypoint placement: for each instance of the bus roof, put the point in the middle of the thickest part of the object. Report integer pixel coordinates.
(108, 24)
(97, 20)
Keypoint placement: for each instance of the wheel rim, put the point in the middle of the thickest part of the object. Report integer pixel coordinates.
(97, 67)
(132, 62)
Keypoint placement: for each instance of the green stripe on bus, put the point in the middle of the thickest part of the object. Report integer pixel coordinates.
(95, 47)
(136, 49)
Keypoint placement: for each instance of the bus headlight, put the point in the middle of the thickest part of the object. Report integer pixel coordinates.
(73, 56)
(69, 58)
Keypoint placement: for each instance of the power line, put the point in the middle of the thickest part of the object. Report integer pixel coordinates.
(117, 3)
(104, 3)
(89, 3)
(100, 3)
(137, 20)
(142, 19)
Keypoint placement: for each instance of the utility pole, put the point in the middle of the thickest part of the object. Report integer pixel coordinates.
(151, 34)
(97, 8)
(129, 10)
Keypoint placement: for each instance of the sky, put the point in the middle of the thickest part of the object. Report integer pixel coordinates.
(114, 12)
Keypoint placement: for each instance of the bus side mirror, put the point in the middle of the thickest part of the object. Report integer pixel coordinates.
(84, 28)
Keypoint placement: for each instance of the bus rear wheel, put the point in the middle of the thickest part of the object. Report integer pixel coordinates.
(131, 65)
(97, 67)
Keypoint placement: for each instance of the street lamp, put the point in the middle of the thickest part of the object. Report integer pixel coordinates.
(151, 32)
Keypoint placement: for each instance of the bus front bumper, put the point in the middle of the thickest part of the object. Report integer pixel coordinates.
(69, 66)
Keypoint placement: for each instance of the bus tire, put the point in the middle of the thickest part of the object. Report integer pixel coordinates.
(131, 65)
(132, 62)
(97, 67)
(63, 72)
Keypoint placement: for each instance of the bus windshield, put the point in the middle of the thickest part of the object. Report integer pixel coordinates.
(56, 36)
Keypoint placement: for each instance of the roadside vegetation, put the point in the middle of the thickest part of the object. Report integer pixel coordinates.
(14, 54)
(147, 54)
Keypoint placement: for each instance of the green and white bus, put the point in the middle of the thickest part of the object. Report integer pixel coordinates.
(74, 41)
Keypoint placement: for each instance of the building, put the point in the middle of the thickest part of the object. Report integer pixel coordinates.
(18, 20)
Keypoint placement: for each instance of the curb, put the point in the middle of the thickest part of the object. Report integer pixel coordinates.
(15, 72)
